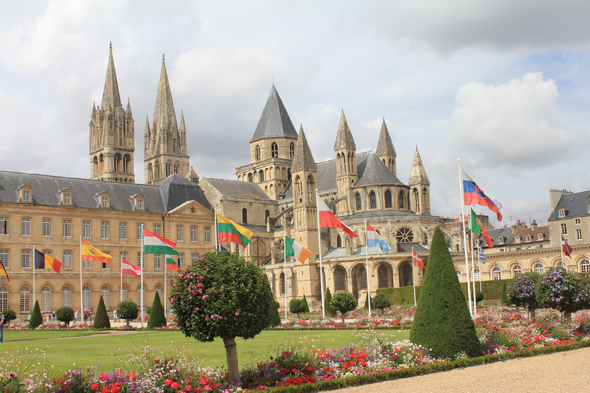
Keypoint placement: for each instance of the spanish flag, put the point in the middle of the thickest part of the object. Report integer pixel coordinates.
(229, 231)
(90, 253)
(44, 261)
(3, 272)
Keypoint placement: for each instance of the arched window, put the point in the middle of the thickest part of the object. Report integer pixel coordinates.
(338, 241)
(104, 291)
(85, 298)
(266, 216)
(310, 188)
(585, 266)
(3, 299)
(476, 275)
(159, 290)
(517, 270)
(539, 268)
(383, 276)
(66, 297)
(339, 279)
(298, 189)
(458, 275)
(373, 200)
(283, 283)
(244, 216)
(261, 176)
(45, 299)
(274, 150)
(257, 153)
(496, 274)
(250, 177)
(359, 202)
(388, 203)
(289, 174)
(292, 150)
(123, 293)
(401, 199)
(361, 278)
(25, 298)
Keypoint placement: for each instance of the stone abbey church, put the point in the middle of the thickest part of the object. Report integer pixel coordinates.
(274, 195)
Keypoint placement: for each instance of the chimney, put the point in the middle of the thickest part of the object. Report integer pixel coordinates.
(555, 196)
(534, 225)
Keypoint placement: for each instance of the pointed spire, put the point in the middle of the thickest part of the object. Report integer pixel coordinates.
(164, 115)
(93, 108)
(182, 125)
(110, 96)
(303, 159)
(418, 172)
(147, 125)
(344, 139)
(192, 176)
(128, 112)
(385, 145)
(274, 121)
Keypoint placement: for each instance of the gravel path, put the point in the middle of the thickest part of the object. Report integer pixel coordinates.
(559, 372)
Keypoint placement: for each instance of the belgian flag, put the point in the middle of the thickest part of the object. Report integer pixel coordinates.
(43, 261)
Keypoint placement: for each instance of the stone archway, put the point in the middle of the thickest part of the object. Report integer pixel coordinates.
(359, 279)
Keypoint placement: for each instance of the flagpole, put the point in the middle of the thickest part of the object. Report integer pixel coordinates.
(285, 271)
(413, 277)
(479, 268)
(465, 237)
(121, 288)
(141, 264)
(165, 283)
(317, 195)
(81, 295)
(562, 239)
(216, 242)
(34, 286)
(473, 273)
(367, 265)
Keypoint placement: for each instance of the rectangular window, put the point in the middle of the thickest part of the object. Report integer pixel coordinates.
(124, 255)
(578, 221)
(26, 227)
(26, 196)
(26, 259)
(207, 235)
(87, 265)
(181, 261)
(104, 230)
(123, 230)
(194, 257)
(67, 228)
(86, 229)
(564, 229)
(157, 229)
(106, 265)
(47, 227)
(157, 261)
(46, 252)
(4, 258)
(193, 234)
(179, 233)
(25, 297)
(139, 204)
(67, 259)
(139, 261)
(578, 234)
(3, 225)
(105, 202)
(66, 199)
(66, 297)
(139, 231)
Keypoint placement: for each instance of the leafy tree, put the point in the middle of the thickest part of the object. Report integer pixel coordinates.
(36, 317)
(65, 315)
(367, 300)
(222, 295)
(344, 302)
(381, 302)
(296, 306)
(563, 291)
(157, 317)
(306, 304)
(127, 310)
(101, 319)
(9, 315)
(328, 306)
(442, 321)
(521, 292)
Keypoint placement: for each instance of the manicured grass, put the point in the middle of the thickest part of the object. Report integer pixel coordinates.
(25, 335)
(105, 352)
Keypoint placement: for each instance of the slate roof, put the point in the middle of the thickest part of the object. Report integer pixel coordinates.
(238, 189)
(274, 121)
(575, 205)
(495, 234)
(161, 198)
(407, 247)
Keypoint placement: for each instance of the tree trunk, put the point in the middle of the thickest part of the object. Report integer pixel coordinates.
(533, 315)
(567, 317)
(128, 325)
(231, 354)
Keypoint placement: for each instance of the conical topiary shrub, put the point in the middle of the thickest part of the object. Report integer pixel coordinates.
(367, 300)
(328, 306)
(36, 317)
(101, 319)
(306, 304)
(442, 322)
(275, 318)
(157, 317)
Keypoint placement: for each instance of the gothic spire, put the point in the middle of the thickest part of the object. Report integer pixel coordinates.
(418, 172)
(344, 139)
(303, 159)
(110, 96)
(164, 115)
(128, 110)
(384, 145)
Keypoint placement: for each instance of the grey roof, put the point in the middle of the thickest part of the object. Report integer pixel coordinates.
(163, 197)
(344, 139)
(495, 235)
(238, 189)
(418, 172)
(303, 159)
(575, 205)
(407, 247)
(274, 121)
(385, 145)
(341, 252)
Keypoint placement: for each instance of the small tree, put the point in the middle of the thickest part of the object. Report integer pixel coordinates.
(344, 302)
(296, 306)
(36, 317)
(306, 304)
(157, 317)
(521, 292)
(328, 306)
(563, 291)
(381, 302)
(10, 315)
(127, 310)
(65, 315)
(222, 295)
(101, 319)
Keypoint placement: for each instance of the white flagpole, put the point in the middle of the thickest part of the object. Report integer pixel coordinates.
(413, 277)
(121, 287)
(561, 241)
(216, 242)
(34, 286)
(81, 296)
(285, 272)
(317, 195)
(165, 282)
(367, 267)
(141, 264)
(479, 268)
(473, 272)
(465, 239)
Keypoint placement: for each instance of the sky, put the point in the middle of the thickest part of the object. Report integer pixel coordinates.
(504, 86)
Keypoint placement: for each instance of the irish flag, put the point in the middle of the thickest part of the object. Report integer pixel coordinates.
(229, 231)
(154, 244)
(295, 249)
(127, 268)
(329, 220)
(171, 263)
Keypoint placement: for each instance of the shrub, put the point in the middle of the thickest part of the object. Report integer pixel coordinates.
(127, 310)
(65, 315)
(36, 317)
(157, 317)
(563, 291)
(101, 319)
(344, 302)
(479, 296)
(442, 321)
(10, 315)
(306, 304)
(381, 302)
(328, 306)
(521, 292)
(367, 300)
(296, 306)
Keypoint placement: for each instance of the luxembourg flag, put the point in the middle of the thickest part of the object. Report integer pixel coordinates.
(375, 240)
(474, 195)
(329, 220)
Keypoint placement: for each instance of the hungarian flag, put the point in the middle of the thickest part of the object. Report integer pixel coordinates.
(296, 250)
(474, 195)
(566, 248)
(416, 260)
(44, 261)
(230, 232)
(3, 271)
(375, 240)
(90, 253)
(154, 244)
(171, 263)
(128, 268)
(477, 227)
(329, 220)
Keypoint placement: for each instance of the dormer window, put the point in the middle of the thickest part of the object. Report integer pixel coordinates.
(561, 213)
(540, 236)
(528, 238)
(517, 239)
(25, 192)
(138, 201)
(103, 200)
(65, 196)
(501, 240)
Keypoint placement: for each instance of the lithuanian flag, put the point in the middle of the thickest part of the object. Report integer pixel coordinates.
(229, 231)
(44, 261)
(90, 253)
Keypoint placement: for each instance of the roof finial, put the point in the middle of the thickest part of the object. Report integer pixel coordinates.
(273, 80)
(163, 57)
(111, 45)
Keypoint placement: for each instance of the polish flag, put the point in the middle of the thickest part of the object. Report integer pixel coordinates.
(416, 260)
(329, 220)
(127, 268)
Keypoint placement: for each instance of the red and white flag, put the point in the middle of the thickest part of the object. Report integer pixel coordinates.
(329, 220)
(566, 248)
(127, 268)
(416, 260)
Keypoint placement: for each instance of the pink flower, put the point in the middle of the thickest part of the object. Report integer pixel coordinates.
(158, 359)
(171, 300)
(237, 313)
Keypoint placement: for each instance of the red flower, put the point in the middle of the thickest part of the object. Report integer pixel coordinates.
(168, 382)
(188, 388)
(174, 385)
(94, 387)
(103, 377)
(115, 389)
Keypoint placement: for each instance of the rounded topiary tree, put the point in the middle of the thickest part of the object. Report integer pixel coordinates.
(127, 310)
(563, 291)
(65, 314)
(101, 319)
(306, 304)
(328, 306)
(36, 317)
(381, 302)
(296, 306)
(222, 295)
(9, 315)
(442, 321)
(521, 292)
(344, 302)
(157, 317)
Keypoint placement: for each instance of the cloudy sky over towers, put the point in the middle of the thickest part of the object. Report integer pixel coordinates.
(503, 85)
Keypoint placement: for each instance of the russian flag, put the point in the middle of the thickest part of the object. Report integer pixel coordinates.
(375, 240)
(474, 195)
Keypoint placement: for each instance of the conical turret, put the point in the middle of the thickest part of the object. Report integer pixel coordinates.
(418, 173)
(385, 150)
(419, 186)
(303, 160)
(128, 112)
(344, 139)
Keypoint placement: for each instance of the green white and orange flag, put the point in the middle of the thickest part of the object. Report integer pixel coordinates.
(90, 253)
(230, 232)
(296, 250)
(171, 263)
(154, 244)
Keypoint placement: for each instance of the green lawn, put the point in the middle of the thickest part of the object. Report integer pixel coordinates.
(106, 351)
(25, 335)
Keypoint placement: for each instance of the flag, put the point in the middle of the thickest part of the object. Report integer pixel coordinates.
(375, 240)
(416, 260)
(44, 261)
(329, 220)
(295, 249)
(154, 244)
(481, 255)
(229, 231)
(171, 263)
(221, 248)
(90, 253)
(474, 195)
(4, 272)
(566, 248)
(477, 227)
(128, 268)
